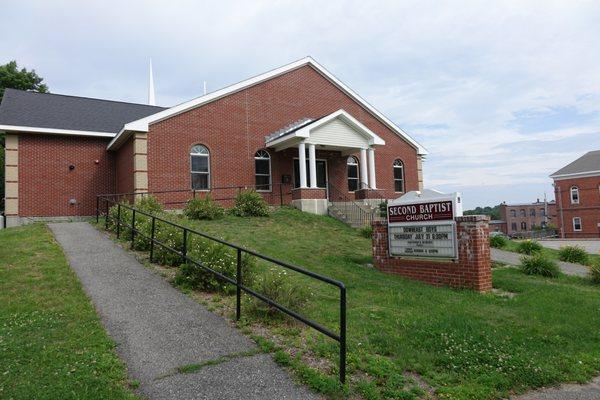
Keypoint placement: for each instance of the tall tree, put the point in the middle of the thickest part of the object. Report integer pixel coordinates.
(12, 77)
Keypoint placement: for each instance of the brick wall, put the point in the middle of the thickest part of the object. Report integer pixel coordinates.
(588, 208)
(234, 128)
(124, 167)
(46, 184)
(471, 270)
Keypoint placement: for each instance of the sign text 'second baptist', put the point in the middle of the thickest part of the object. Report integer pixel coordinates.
(434, 211)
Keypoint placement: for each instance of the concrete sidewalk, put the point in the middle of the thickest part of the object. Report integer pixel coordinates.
(157, 328)
(511, 258)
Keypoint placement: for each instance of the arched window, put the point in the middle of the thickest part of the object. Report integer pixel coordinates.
(523, 226)
(262, 167)
(200, 167)
(398, 176)
(352, 164)
(574, 195)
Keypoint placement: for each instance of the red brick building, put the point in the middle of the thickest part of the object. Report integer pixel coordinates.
(297, 124)
(577, 193)
(523, 220)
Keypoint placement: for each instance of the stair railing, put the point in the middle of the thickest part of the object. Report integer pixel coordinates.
(349, 207)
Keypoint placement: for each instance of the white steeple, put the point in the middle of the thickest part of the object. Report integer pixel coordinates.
(151, 98)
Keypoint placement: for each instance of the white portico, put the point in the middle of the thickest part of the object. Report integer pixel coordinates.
(338, 132)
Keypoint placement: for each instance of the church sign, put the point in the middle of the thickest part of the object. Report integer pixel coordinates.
(421, 224)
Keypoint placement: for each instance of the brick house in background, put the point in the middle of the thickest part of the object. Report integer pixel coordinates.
(523, 219)
(297, 124)
(577, 193)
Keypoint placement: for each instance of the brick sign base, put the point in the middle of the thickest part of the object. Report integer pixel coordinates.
(472, 269)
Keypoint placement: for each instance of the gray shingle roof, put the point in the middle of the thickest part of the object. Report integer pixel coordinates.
(55, 111)
(589, 162)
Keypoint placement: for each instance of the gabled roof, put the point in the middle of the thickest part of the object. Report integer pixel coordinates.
(24, 111)
(588, 164)
(142, 124)
(303, 128)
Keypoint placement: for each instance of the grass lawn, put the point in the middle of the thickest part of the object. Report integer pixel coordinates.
(465, 345)
(52, 345)
(550, 253)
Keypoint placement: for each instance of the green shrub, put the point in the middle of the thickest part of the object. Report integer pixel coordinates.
(529, 247)
(366, 231)
(124, 217)
(277, 286)
(170, 236)
(217, 257)
(574, 254)
(203, 208)
(498, 241)
(595, 273)
(537, 264)
(249, 203)
(149, 204)
(383, 209)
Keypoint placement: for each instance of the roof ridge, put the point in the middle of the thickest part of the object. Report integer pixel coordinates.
(83, 97)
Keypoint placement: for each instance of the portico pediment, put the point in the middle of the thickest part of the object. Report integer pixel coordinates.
(336, 131)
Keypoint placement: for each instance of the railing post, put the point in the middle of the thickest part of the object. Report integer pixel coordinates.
(184, 250)
(194, 193)
(343, 335)
(106, 219)
(132, 226)
(238, 292)
(152, 238)
(97, 209)
(118, 220)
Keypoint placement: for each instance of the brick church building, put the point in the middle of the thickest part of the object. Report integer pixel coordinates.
(297, 125)
(577, 193)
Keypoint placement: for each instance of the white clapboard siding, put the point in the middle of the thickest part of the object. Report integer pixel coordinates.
(337, 133)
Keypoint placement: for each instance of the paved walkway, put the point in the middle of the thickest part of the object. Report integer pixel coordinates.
(590, 391)
(512, 258)
(157, 328)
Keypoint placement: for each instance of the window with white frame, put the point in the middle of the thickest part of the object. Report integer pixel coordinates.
(262, 171)
(200, 167)
(352, 164)
(577, 224)
(574, 195)
(398, 176)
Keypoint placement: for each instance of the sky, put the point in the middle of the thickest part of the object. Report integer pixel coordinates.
(501, 93)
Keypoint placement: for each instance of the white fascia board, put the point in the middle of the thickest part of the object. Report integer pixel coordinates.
(142, 124)
(585, 174)
(300, 133)
(33, 129)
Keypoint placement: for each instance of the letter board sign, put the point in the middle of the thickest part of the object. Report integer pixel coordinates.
(421, 224)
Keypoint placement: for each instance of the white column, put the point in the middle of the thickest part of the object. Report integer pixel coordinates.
(312, 165)
(371, 154)
(302, 162)
(364, 179)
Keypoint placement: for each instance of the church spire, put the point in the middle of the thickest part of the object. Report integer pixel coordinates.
(151, 98)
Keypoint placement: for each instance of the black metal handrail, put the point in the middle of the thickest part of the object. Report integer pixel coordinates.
(238, 281)
(349, 206)
(279, 191)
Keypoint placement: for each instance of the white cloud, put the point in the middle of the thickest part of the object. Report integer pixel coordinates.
(470, 68)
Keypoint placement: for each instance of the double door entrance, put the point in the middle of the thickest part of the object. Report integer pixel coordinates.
(321, 174)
